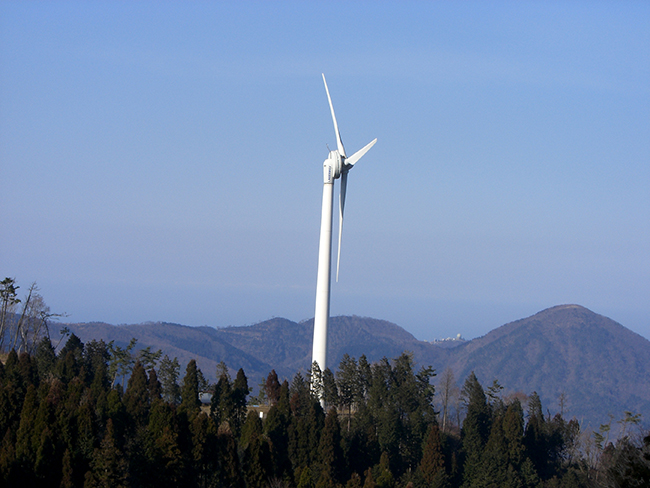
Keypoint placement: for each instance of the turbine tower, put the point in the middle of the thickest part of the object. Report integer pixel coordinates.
(337, 165)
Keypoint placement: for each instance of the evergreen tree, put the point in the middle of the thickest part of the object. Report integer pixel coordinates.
(222, 405)
(331, 465)
(136, 397)
(382, 474)
(364, 380)
(154, 386)
(251, 428)
(109, 468)
(240, 391)
(169, 372)
(432, 462)
(276, 429)
(330, 390)
(190, 403)
(168, 462)
(96, 357)
(513, 430)
(257, 464)
(474, 432)
(535, 436)
(45, 358)
(26, 441)
(272, 387)
(306, 480)
(347, 380)
(204, 451)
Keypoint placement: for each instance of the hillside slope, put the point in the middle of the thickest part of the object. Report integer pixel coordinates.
(600, 366)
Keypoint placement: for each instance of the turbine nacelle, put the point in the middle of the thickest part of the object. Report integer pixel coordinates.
(334, 166)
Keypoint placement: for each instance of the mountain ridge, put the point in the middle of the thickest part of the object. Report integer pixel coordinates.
(599, 366)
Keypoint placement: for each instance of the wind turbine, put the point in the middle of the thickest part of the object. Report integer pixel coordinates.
(337, 165)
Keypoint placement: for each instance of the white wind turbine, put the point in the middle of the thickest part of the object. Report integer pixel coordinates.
(336, 165)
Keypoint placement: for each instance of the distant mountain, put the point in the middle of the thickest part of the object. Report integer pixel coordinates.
(599, 365)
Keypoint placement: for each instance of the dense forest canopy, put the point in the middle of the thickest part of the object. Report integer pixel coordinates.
(67, 420)
(101, 415)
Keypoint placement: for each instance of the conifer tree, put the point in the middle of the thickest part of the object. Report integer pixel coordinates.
(154, 387)
(306, 478)
(45, 358)
(276, 428)
(190, 403)
(168, 467)
(347, 380)
(383, 476)
(67, 478)
(474, 432)
(169, 372)
(272, 387)
(331, 465)
(513, 431)
(432, 462)
(96, 357)
(221, 405)
(364, 379)
(251, 428)
(330, 390)
(109, 468)
(535, 435)
(257, 465)
(239, 393)
(136, 397)
(205, 451)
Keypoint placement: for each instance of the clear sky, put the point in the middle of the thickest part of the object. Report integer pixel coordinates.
(162, 161)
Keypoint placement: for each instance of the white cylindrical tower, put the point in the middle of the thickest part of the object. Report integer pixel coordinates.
(322, 312)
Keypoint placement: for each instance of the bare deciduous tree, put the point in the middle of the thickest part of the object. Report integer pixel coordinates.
(448, 392)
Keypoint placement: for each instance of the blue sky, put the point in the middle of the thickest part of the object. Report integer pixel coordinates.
(162, 161)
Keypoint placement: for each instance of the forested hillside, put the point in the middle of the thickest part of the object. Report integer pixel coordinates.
(66, 420)
(579, 362)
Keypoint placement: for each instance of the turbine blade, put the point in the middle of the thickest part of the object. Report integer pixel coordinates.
(339, 143)
(357, 155)
(344, 184)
